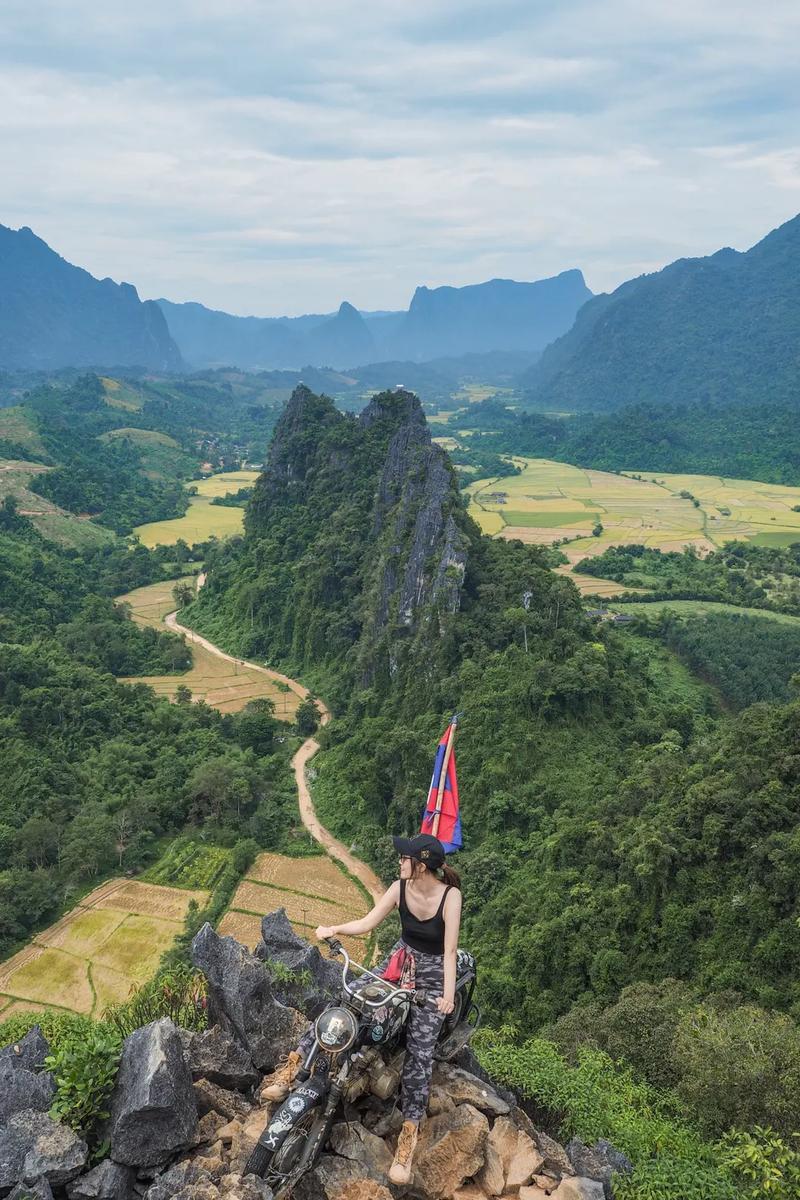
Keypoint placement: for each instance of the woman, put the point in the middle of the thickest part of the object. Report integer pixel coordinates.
(428, 897)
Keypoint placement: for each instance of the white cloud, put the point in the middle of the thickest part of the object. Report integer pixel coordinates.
(263, 161)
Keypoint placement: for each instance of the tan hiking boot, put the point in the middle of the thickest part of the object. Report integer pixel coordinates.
(282, 1078)
(400, 1170)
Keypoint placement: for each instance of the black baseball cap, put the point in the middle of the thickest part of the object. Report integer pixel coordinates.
(424, 847)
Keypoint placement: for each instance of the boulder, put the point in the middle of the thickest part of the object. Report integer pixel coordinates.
(153, 1109)
(470, 1191)
(108, 1181)
(208, 1128)
(556, 1159)
(349, 1139)
(492, 1177)
(241, 998)
(244, 1187)
(29, 1052)
(465, 1088)
(517, 1152)
(439, 1101)
(33, 1146)
(574, 1187)
(213, 1054)
(40, 1190)
(364, 1189)
(301, 977)
(451, 1150)
(23, 1089)
(328, 1179)
(598, 1162)
(186, 1180)
(211, 1097)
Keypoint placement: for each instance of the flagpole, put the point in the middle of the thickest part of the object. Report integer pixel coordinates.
(443, 778)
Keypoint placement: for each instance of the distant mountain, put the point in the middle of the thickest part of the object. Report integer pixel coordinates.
(501, 315)
(53, 314)
(720, 329)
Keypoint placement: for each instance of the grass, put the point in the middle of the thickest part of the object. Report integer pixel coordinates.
(48, 519)
(93, 956)
(121, 395)
(544, 519)
(141, 437)
(203, 519)
(698, 608)
(17, 425)
(225, 685)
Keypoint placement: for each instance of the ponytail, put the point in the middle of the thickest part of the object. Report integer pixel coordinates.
(450, 877)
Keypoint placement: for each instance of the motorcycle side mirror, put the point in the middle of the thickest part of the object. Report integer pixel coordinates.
(334, 946)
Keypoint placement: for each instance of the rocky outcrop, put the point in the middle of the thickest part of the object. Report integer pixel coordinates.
(21, 1089)
(108, 1181)
(241, 999)
(29, 1052)
(153, 1109)
(301, 977)
(216, 1056)
(34, 1147)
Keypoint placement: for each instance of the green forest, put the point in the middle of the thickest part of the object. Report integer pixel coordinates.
(98, 776)
(757, 440)
(631, 845)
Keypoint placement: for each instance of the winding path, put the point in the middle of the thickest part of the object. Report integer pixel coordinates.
(302, 757)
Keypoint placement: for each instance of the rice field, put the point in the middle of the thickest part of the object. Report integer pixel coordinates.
(202, 520)
(549, 502)
(312, 890)
(103, 947)
(225, 685)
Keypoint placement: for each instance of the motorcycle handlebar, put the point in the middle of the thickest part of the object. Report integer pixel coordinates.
(418, 996)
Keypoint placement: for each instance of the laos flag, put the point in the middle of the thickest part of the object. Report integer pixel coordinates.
(441, 816)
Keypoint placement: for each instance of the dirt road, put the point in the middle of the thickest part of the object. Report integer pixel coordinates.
(309, 748)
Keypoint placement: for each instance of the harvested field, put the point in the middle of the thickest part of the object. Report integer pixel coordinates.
(203, 519)
(312, 890)
(93, 956)
(226, 685)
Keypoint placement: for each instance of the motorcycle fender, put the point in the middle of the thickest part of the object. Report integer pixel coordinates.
(295, 1106)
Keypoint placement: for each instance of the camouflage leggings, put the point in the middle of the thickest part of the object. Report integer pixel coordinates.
(422, 1031)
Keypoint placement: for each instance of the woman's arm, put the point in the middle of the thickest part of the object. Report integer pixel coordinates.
(380, 912)
(452, 926)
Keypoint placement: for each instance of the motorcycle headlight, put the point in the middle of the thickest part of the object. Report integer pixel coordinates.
(335, 1030)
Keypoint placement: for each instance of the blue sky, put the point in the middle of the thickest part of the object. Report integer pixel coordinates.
(271, 158)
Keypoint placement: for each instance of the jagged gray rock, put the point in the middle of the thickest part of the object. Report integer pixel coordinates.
(241, 999)
(328, 1178)
(108, 1181)
(213, 1054)
(598, 1162)
(349, 1139)
(316, 979)
(153, 1110)
(39, 1190)
(244, 1187)
(29, 1052)
(33, 1146)
(179, 1180)
(21, 1089)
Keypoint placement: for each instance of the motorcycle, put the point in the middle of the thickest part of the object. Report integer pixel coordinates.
(357, 1050)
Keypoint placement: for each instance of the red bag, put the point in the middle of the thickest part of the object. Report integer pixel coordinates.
(401, 969)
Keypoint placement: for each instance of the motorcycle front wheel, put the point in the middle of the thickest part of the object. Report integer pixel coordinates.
(280, 1170)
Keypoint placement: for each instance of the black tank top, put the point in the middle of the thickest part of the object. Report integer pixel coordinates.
(427, 937)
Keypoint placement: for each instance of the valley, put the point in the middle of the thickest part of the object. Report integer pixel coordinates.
(202, 519)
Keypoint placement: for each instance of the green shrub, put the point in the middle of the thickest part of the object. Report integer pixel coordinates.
(59, 1028)
(85, 1069)
(178, 993)
(763, 1163)
(597, 1099)
(740, 1067)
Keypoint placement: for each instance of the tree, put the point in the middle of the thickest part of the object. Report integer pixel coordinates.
(183, 594)
(307, 717)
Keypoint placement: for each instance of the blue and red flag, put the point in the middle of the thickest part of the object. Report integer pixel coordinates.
(441, 816)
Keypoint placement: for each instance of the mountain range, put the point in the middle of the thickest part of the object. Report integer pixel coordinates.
(725, 328)
(53, 314)
(500, 314)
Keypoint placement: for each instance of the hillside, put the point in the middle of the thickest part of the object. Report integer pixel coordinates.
(710, 330)
(499, 315)
(54, 314)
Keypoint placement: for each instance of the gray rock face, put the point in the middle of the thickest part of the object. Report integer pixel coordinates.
(29, 1052)
(21, 1089)
(181, 1179)
(598, 1162)
(464, 1088)
(32, 1146)
(153, 1110)
(241, 999)
(213, 1054)
(108, 1181)
(317, 980)
(330, 1175)
(40, 1190)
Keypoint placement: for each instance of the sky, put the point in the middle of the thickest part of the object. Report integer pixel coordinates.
(274, 158)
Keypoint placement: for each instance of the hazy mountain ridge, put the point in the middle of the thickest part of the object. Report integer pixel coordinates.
(719, 329)
(54, 314)
(498, 315)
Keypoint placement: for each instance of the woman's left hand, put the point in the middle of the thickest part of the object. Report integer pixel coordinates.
(444, 1005)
